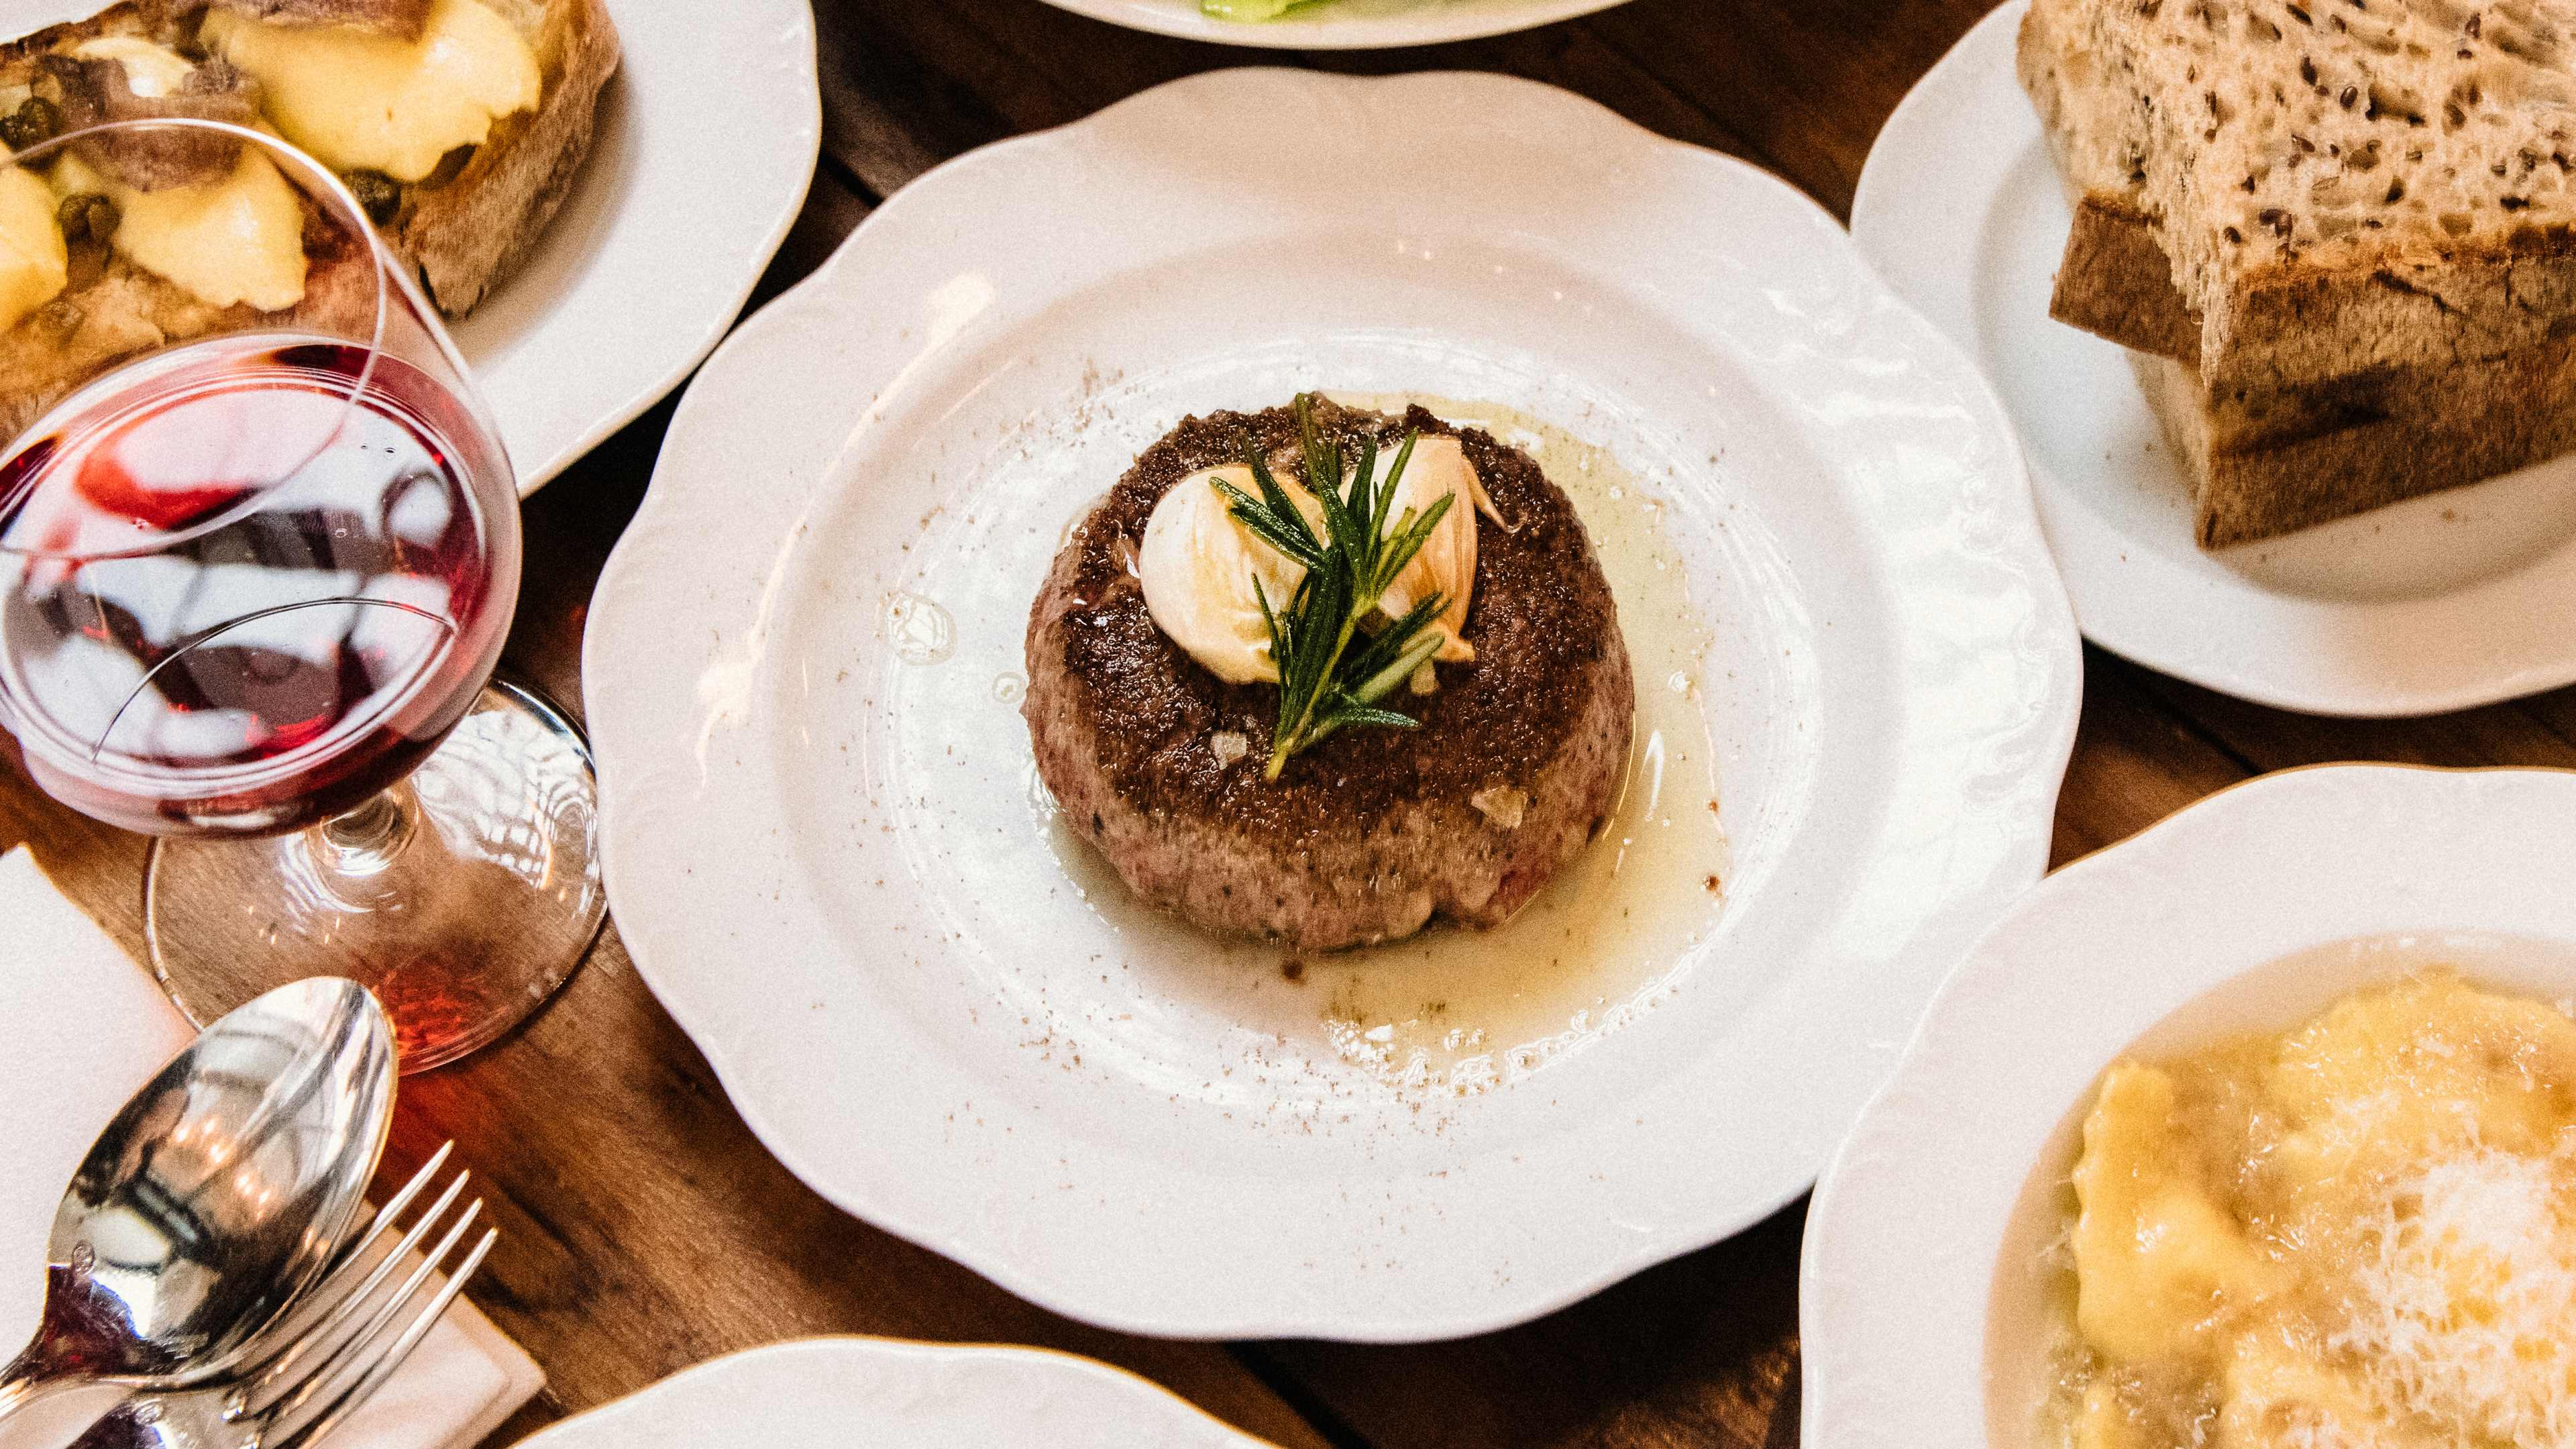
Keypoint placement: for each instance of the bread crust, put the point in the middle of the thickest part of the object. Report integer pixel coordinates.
(2297, 326)
(2420, 431)
(2116, 282)
(129, 311)
(464, 237)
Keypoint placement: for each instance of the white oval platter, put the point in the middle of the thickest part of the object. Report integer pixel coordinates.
(823, 840)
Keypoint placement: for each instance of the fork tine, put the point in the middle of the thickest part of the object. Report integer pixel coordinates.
(352, 1349)
(386, 1363)
(274, 1367)
(349, 1253)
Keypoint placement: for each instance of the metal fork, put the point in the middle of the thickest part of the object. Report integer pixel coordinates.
(334, 1351)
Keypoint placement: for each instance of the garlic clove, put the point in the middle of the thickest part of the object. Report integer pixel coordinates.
(1197, 565)
(1447, 563)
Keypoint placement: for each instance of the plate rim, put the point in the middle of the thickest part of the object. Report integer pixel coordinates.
(711, 1374)
(1880, 223)
(796, 39)
(1323, 32)
(1836, 1332)
(2050, 740)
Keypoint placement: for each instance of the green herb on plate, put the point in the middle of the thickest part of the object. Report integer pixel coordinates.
(1325, 684)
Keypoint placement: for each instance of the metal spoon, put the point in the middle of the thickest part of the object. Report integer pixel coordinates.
(217, 1195)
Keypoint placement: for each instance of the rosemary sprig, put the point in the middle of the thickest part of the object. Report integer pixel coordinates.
(1325, 685)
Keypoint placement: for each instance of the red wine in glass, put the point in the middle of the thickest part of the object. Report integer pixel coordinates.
(253, 582)
(242, 592)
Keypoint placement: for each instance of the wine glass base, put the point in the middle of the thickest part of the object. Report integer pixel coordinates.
(462, 896)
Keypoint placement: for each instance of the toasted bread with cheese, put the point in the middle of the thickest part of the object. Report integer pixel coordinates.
(457, 123)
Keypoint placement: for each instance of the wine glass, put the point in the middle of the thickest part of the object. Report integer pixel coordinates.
(259, 548)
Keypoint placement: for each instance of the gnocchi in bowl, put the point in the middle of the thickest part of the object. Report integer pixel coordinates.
(2360, 1230)
(2258, 1129)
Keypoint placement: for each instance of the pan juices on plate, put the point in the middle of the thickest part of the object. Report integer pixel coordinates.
(1320, 674)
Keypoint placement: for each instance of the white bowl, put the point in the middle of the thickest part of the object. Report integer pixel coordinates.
(1921, 1304)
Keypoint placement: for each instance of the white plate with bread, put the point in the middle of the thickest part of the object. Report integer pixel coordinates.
(884, 1391)
(2285, 528)
(2254, 1129)
(1333, 24)
(997, 1024)
(587, 189)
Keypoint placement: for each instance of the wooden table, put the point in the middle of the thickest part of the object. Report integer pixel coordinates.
(644, 1230)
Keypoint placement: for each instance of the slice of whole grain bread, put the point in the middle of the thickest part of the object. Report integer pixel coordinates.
(2116, 278)
(2338, 186)
(2330, 356)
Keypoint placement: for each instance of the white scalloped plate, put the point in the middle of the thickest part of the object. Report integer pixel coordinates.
(883, 1391)
(1922, 1315)
(821, 838)
(1341, 24)
(705, 145)
(2445, 602)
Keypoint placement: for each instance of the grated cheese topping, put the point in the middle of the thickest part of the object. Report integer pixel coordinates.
(2466, 1314)
(2357, 1234)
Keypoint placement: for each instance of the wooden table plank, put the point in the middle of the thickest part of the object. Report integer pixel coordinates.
(1701, 1351)
(2136, 761)
(927, 73)
(1807, 82)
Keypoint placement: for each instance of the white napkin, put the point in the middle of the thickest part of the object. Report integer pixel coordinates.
(80, 1028)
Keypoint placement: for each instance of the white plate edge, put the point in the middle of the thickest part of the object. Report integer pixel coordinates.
(710, 1373)
(2253, 798)
(1322, 31)
(718, 327)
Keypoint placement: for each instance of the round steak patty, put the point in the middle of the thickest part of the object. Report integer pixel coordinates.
(1370, 834)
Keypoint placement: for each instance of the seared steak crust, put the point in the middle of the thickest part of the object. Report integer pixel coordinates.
(1368, 835)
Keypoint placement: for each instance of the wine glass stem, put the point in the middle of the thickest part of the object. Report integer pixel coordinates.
(364, 842)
